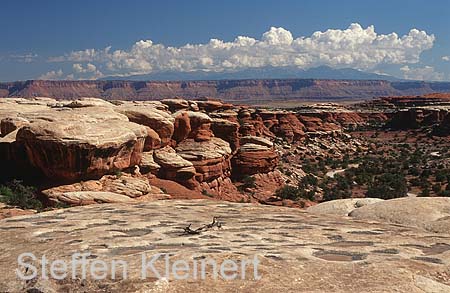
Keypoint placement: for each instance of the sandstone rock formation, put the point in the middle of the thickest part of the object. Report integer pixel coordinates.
(109, 189)
(283, 124)
(211, 160)
(226, 130)
(432, 214)
(69, 141)
(297, 251)
(341, 207)
(231, 90)
(174, 167)
(200, 126)
(159, 121)
(254, 156)
(148, 164)
(70, 150)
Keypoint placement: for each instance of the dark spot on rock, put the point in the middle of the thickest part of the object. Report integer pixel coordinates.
(134, 232)
(428, 259)
(365, 232)
(130, 250)
(330, 255)
(387, 251)
(335, 237)
(437, 248)
(351, 243)
(74, 241)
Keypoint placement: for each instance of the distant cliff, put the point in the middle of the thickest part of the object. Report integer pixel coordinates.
(228, 90)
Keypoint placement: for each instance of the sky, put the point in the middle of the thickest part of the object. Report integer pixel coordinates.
(54, 39)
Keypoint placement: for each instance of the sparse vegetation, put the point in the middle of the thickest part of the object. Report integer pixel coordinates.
(15, 193)
(206, 193)
(247, 182)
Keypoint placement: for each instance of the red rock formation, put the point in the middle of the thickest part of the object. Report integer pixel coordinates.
(150, 116)
(70, 150)
(182, 127)
(200, 126)
(174, 167)
(435, 119)
(211, 158)
(285, 125)
(226, 130)
(252, 124)
(109, 189)
(254, 156)
(231, 90)
(314, 124)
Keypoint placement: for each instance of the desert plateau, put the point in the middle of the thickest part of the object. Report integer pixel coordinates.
(225, 146)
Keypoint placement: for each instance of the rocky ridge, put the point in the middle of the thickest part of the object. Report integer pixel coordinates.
(204, 145)
(229, 90)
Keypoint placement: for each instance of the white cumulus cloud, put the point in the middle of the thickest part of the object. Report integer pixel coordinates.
(52, 75)
(85, 72)
(446, 58)
(356, 47)
(422, 73)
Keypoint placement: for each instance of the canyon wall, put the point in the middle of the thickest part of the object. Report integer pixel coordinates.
(228, 90)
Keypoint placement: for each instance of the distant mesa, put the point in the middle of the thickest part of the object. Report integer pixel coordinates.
(242, 91)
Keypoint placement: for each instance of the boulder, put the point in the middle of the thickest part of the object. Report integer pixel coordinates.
(152, 141)
(10, 124)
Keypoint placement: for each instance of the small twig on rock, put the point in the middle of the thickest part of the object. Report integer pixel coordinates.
(215, 223)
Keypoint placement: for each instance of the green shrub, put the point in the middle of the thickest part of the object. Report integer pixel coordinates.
(206, 193)
(445, 193)
(247, 182)
(295, 193)
(16, 194)
(287, 192)
(388, 186)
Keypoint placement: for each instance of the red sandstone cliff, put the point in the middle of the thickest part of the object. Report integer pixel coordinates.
(231, 90)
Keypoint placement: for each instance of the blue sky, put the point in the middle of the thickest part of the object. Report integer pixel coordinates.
(90, 39)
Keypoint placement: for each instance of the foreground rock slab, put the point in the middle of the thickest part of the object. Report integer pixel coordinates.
(341, 207)
(321, 253)
(429, 213)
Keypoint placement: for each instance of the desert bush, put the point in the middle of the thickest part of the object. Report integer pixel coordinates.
(388, 186)
(247, 182)
(295, 193)
(15, 193)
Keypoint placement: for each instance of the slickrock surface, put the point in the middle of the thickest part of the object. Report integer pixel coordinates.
(298, 251)
(341, 207)
(430, 213)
